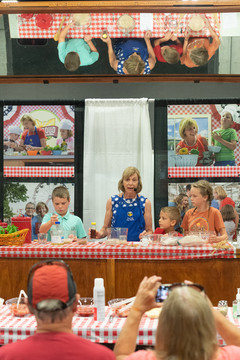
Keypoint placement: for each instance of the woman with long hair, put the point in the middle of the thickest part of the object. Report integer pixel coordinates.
(186, 326)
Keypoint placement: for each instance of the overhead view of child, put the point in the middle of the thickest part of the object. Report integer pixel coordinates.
(169, 217)
(203, 217)
(66, 134)
(32, 138)
(131, 56)
(191, 140)
(76, 52)
(61, 201)
(226, 138)
(197, 51)
(168, 48)
(11, 142)
(228, 215)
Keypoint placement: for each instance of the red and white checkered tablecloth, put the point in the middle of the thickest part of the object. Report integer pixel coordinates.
(38, 171)
(15, 328)
(102, 251)
(204, 171)
(108, 21)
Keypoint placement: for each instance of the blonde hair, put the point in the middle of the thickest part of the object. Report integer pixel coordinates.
(172, 212)
(129, 171)
(134, 65)
(199, 56)
(69, 132)
(186, 123)
(178, 201)
(27, 117)
(205, 189)
(186, 327)
(41, 204)
(171, 55)
(61, 192)
(228, 213)
(72, 61)
(221, 193)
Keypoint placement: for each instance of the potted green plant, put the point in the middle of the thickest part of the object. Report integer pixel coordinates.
(46, 151)
(56, 150)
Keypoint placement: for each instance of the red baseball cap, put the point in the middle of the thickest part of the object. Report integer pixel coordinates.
(51, 280)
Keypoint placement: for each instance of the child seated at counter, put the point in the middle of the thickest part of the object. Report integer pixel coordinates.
(169, 217)
(76, 52)
(61, 201)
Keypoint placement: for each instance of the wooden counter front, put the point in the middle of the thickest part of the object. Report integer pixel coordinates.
(122, 275)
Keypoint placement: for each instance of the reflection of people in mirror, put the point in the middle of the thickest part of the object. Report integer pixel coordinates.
(168, 48)
(198, 51)
(66, 134)
(76, 52)
(32, 138)
(131, 56)
(192, 143)
(226, 138)
(11, 142)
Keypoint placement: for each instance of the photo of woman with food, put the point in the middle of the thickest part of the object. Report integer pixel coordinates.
(32, 138)
(192, 143)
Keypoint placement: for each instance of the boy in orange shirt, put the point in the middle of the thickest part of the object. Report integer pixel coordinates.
(198, 51)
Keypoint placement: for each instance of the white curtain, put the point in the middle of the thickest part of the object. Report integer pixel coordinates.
(116, 135)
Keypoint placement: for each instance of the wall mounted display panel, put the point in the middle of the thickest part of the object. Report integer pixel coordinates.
(43, 147)
(202, 142)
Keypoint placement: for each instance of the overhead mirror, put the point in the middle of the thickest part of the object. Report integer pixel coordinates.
(119, 43)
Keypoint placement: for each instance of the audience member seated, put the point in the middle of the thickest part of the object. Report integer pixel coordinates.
(186, 327)
(53, 299)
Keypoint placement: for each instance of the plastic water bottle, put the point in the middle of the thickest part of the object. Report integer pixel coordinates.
(57, 234)
(99, 299)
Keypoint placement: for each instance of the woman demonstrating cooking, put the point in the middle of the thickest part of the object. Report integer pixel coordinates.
(128, 209)
(32, 138)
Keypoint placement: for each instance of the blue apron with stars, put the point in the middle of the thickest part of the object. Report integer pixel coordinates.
(129, 213)
(33, 139)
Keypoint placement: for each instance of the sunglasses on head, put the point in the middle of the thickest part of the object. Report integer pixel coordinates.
(194, 286)
(61, 263)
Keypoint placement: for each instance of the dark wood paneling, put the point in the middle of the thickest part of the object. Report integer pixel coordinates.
(220, 277)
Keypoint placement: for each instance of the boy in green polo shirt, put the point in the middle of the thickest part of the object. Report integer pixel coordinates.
(226, 137)
(76, 52)
(61, 201)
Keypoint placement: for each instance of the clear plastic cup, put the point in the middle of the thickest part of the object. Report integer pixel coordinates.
(42, 238)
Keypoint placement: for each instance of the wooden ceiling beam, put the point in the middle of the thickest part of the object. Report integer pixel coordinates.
(121, 6)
